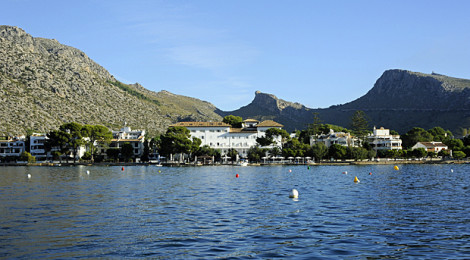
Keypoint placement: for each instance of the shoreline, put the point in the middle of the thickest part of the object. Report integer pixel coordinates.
(176, 164)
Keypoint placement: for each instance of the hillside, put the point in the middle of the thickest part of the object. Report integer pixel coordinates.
(44, 83)
(399, 100)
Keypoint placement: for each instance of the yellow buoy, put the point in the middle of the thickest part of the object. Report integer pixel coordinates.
(396, 168)
(356, 180)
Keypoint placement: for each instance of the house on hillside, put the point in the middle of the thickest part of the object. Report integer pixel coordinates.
(341, 138)
(381, 139)
(223, 137)
(430, 146)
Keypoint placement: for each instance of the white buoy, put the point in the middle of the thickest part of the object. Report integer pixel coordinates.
(29, 176)
(451, 170)
(294, 194)
(345, 172)
(88, 172)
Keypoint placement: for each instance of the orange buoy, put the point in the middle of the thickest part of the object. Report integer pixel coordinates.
(236, 175)
(370, 173)
(122, 168)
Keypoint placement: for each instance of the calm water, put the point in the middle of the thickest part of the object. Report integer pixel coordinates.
(206, 212)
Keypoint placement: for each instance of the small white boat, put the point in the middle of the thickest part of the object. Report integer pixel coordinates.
(242, 163)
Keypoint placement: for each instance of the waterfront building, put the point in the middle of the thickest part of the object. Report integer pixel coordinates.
(430, 146)
(36, 146)
(223, 137)
(126, 135)
(381, 139)
(341, 138)
(12, 146)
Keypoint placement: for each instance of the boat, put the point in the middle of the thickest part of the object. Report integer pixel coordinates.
(242, 163)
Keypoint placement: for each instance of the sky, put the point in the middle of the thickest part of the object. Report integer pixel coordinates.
(317, 53)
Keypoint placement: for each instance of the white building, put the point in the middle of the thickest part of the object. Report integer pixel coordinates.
(341, 138)
(381, 139)
(126, 135)
(36, 146)
(222, 136)
(12, 146)
(430, 146)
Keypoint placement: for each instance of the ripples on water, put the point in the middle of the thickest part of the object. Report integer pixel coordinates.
(421, 211)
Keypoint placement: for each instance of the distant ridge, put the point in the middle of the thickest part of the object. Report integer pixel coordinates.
(44, 83)
(399, 100)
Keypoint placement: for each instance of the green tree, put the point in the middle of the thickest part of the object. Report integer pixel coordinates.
(420, 153)
(57, 139)
(127, 151)
(255, 154)
(273, 133)
(275, 151)
(359, 124)
(319, 151)
(232, 153)
(439, 134)
(337, 151)
(234, 121)
(458, 155)
(113, 153)
(146, 153)
(96, 133)
(455, 144)
(27, 157)
(175, 140)
(75, 137)
(356, 153)
(416, 134)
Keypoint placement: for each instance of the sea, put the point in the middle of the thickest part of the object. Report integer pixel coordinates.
(230, 212)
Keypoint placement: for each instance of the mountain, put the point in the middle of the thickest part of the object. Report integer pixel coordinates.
(399, 100)
(44, 83)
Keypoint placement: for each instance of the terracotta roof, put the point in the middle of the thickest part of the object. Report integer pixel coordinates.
(201, 124)
(433, 144)
(242, 130)
(269, 123)
(251, 120)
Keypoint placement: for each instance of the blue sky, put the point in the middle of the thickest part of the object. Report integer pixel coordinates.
(317, 53)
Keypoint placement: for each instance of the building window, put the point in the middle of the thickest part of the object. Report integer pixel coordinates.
(136, 151)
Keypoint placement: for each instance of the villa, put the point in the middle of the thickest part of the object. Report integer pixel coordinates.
(381, 139)
(341, 138)
(430, 146)
(126, 135)
(12, 146)
(222, 136)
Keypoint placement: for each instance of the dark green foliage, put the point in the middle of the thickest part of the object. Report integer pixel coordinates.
(27, 157)
(337, 151)
(356, 153)
(419, 153)
(416, 134)
(234, 121)
(146, 153)
(458, 155)
(359, 124)
(175, 140)
(255, 154)
(454, 144)
(113, 153)
(127, 152)
(232, 153)
(319, 151)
